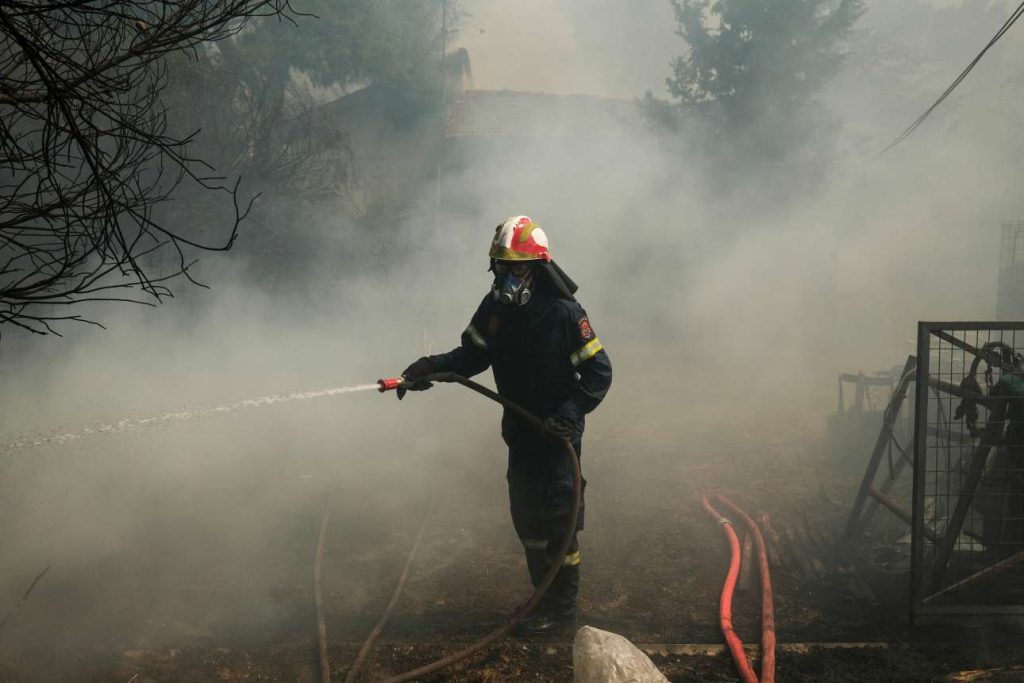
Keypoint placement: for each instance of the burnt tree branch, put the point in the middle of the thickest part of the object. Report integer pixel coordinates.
(86, 156)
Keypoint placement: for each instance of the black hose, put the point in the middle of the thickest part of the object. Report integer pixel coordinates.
(364, 651)
(556, 565)
(318, 596)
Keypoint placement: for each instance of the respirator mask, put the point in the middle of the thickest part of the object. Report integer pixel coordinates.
(513, 282)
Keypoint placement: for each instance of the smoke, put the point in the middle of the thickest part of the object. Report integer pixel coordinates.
(616, 49)
(719, 310)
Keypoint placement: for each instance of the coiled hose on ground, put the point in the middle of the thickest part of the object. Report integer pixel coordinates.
(521, 612)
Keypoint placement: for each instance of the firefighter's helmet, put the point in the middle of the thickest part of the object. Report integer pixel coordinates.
(520, 239)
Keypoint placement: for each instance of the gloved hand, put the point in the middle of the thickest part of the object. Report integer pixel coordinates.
(560, 426)
(411, 374)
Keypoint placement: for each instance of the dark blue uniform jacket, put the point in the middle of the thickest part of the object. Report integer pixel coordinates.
(546, 357)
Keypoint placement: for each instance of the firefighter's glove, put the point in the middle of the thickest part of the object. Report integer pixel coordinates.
(560, 426)
(412, 375)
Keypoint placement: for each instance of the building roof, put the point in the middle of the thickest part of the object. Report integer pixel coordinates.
(506, 113)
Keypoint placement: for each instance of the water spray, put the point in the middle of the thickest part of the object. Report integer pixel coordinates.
(25, 442)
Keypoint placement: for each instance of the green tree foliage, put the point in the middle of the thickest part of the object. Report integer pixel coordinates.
(753, 70)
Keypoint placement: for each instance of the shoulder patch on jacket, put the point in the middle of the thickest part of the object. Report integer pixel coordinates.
(586, 331)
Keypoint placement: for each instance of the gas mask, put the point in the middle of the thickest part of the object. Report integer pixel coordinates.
(513, 282)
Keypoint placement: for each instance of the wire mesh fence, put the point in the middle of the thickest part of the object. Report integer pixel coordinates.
(968, 491)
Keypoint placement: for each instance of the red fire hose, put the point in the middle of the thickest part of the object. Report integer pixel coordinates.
(767, 602)
(767, 599)
(725, 603)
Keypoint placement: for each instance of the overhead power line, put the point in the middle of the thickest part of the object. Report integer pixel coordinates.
(963, 74)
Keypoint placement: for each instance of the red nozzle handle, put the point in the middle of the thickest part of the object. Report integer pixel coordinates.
(390, 383)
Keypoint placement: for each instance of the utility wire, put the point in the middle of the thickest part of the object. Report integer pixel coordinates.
(963, 74)
(40, 575)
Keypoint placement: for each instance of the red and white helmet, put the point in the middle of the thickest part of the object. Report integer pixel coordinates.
(520, 239)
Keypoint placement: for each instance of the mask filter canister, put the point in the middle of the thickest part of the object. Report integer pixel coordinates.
(512, 284)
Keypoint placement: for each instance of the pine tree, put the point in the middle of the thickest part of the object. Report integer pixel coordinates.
(754, 68)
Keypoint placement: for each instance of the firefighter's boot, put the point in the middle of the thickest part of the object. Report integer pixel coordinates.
(556, 613)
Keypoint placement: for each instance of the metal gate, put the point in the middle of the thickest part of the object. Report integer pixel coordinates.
(968, 494)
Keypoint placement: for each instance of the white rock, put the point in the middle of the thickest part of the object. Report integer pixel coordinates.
(602, 657)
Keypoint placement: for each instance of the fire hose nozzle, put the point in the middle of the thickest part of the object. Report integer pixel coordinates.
(389, 383)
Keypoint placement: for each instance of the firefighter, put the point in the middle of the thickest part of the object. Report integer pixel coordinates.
(547, 358)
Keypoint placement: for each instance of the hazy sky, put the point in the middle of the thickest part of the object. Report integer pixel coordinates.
(616, 48)
(596, 47)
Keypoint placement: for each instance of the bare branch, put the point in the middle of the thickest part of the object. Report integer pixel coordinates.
(85, 153)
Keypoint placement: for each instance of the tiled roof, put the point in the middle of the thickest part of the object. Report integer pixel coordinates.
(500, 113)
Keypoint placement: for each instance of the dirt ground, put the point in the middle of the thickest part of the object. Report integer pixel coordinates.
(174, 567)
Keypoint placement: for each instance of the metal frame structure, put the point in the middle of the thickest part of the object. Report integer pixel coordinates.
(851, 429)
(870, 496)
(967, 550)
(862, 388)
